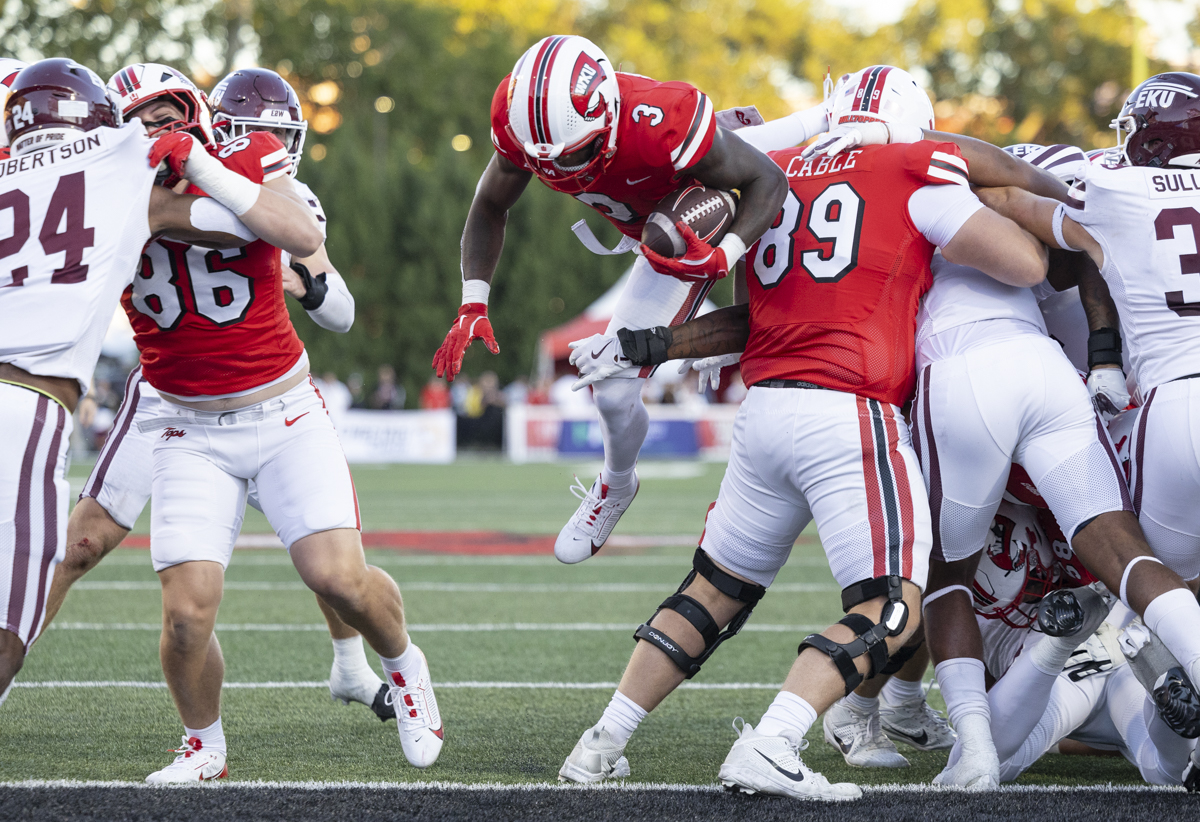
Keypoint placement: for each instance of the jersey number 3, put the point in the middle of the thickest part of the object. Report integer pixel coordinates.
(836, 217)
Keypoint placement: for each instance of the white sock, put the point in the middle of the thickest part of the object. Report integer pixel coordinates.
(899, 691)
(1020, 697)
(624, 422)
(862, 704)
(404, 669)
(1050, 653)
(349, 655)
(622, 717)
(1175, 617)
(7, 691)
(211, 738)
(787, 713)
(962, 682)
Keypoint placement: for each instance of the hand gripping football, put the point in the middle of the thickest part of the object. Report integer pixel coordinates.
(706, 211)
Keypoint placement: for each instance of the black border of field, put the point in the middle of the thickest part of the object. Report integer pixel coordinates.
(65, 804)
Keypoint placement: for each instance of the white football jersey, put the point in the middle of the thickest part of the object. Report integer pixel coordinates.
(961, 295)
(314, 205)
(1147, 221)
(74, 219)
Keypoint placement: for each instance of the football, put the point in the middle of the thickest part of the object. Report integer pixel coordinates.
(706, 211)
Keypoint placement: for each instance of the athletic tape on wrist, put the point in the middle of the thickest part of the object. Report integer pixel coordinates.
(1125, 575)
(209, 215)
(941, 592)
(476, 291)
(1057, 224)
(733, 247)
(227, 187)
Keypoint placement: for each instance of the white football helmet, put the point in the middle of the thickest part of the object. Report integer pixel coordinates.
(140, 83)
(563, 96)
(881, 94)
(9, 69)
(1016, 568)
(1064, 162)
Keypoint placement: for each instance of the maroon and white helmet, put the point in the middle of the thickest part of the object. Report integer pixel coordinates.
(9, 69)
(53, 100)
(880, 94)
(562, 97)
(1064, 162)
(1159, 125)
(1016, 568)
(1107, 157)
(136, 85)
(258, 99)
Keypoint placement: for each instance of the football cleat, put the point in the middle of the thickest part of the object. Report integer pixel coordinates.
(1191, 774)
(1178, 704)
(772, 765)
(916, 724)
(362, 686)
(1073, 612)
(592, 522)
(859, 738)
(194, 764)
(595, 758)
(417, 717)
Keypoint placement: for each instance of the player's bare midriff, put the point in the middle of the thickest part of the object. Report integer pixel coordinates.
(244, 401)
(63, 389)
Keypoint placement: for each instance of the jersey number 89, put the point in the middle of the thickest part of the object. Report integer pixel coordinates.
(836, 216)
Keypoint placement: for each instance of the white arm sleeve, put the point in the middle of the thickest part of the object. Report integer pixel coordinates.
(337, 310)
(209, 215)
(940, 211)
(789, 131)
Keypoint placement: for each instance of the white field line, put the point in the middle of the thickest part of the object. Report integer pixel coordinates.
(377, 556)
(469, 685)
(466, 587)
(618, 787)
(444, 627)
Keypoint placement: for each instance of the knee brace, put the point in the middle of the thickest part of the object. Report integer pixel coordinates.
(896, 661)
(871, 639)
(747, 593)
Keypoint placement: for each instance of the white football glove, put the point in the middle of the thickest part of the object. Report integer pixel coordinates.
(851, 135)
(709, 368)
(1109, 395)
(598, 357)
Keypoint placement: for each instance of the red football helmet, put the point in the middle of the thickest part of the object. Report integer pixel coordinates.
(141, 83)
(258, 99)
(52, 100)
(1160, 122)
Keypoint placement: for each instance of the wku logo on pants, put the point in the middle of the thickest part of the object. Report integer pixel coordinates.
(172, 432)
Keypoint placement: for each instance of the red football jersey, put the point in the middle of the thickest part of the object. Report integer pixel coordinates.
(663, 129)
(211, 322)
(835, 282)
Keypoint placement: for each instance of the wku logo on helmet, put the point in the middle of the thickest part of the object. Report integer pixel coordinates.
(585, 79)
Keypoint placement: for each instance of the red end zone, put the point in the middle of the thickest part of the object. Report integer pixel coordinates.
(439, 542)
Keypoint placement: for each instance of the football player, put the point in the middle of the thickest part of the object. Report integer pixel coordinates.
(81, 179)
(828, 339)
(1139, 224)
(118, 488)
(619, 143)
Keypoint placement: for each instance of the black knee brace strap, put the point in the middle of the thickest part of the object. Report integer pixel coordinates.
(896, 661)
(699, 617)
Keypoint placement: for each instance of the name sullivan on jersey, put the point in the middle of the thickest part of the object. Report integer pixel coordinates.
(41, 159)
(1174, 183)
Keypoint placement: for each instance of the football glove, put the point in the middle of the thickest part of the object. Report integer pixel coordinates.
(710, 369)
(852, 135)
(174, 148)
(472, 324)
(597, 357)
(699, 262)
(1109, 395)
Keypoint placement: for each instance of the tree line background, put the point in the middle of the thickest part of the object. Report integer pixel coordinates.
(397, 93)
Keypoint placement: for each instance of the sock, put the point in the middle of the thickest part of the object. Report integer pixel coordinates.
(407, 666)
(1175, 617)
(862, 704)
(962, 683)
(1051, 653)
(211, 738)
(7, 691)
(621, 717)
(1019, 699)
(787, 713)
(898, 691)
(624, 422)
(349, 655)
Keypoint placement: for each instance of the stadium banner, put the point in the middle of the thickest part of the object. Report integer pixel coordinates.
(397, 436)
(543, 433)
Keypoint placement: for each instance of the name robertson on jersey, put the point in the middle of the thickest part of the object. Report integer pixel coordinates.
(48, 157)
(1174, 183)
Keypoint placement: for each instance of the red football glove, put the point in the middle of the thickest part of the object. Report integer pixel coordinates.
(700, 262)
(472, 324)
(175, 148)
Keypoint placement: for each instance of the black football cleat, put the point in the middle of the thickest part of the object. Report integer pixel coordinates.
(1060, 614)
(1178, 705)
(1191, 775)
(382, 708)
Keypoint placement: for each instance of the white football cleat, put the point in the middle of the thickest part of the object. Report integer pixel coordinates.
(771, 765)
(860, 739)
(194, 764)
(595, 758)
(916, 724)
(361, 685)
(588, 529)
(417, 717)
